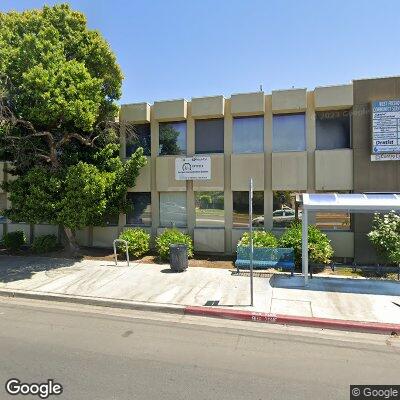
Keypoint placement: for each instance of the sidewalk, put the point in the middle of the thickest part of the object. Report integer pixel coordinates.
(332, 298)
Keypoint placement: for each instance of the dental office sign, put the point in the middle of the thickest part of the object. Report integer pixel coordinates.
(385, 130)
(193, 168)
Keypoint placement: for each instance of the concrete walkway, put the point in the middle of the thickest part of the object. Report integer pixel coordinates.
(337, 298)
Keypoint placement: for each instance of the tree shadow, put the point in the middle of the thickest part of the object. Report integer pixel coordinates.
(16, 268)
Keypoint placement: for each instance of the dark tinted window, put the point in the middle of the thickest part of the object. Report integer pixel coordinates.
(333, 130)
(241, 209)
(209, 136)
(289, 132)
(172, 138)
(138, 136)
(139, 212)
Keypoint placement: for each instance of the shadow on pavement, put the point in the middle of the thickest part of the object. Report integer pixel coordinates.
(342, 285)
(16, 268)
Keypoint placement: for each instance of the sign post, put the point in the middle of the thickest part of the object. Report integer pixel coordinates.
(251, 239)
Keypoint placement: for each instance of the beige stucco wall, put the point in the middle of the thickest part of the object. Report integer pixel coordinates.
(342, 243)
(82, 237)
(244, 167)
(247, 104)
(138, 113)
(45, 229)
(334, 169)
(333, 97)
(236, 235)
(143, 181)
(289, 171)
(104, 236)
(217, 175)
(289, 101)
(208, 107)
(209, 240)
(166, 182)
(170, 110)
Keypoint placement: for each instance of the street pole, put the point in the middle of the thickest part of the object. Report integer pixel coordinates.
(251, 239)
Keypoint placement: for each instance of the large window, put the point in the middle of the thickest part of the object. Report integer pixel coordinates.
(248, 134)
(138, 136)
(241, 209)
(173, 209)
(334, 220)
(289, 132)
(333, 130)
(139, 212)
(209, 136)
(172, 138)
(210, 209)
(285, 209)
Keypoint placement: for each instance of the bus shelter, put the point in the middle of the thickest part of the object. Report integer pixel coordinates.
(345, 202)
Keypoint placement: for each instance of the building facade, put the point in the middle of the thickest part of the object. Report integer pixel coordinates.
(289, 142)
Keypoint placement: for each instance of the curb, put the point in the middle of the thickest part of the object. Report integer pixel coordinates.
(95, 301)
(323, 323)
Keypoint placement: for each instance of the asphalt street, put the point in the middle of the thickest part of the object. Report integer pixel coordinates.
(98, 353)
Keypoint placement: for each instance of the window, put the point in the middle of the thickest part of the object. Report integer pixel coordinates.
(138, 136)
(289, 132)
(209, 136)
(241, 209)
(173, 209)
(248, 134)
(139, 212)
(334, 220)
(333, 130)
(172, 138)
(111, 219)
(285, 209)
(210, 209)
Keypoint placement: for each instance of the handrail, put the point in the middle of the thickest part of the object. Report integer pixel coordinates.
(115, 250)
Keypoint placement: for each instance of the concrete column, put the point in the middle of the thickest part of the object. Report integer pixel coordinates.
(311, 146)
(268, 194)
(155, 200)
(228, 198)
(122, 154)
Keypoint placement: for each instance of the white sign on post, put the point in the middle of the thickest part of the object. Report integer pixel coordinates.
(385, 130)
(193, 168)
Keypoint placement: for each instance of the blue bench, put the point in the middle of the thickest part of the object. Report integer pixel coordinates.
(264, 257)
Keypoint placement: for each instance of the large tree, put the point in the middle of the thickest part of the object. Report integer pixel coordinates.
(58, 85)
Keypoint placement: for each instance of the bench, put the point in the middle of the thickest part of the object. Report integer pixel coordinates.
(264, 257)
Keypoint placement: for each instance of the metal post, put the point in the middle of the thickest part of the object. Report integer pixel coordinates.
(304, 244)
(115, 250)
(251, 240)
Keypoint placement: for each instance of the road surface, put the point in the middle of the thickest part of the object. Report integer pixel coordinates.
(104, 354)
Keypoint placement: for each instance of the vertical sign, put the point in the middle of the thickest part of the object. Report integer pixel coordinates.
(385, 130)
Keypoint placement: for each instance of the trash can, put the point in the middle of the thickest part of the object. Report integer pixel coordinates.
(178, 257)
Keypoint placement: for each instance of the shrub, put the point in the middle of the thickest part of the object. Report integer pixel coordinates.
(45, 243)
(14, 240)
(172, 236)
(319, 246)
(385, 236)
(260, 239)
(138, 241)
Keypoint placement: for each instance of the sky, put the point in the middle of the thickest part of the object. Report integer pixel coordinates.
(170, 49)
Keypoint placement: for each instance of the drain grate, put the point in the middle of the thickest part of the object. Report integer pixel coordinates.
(212, 303)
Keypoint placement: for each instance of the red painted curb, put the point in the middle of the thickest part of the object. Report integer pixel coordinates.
(357, 326)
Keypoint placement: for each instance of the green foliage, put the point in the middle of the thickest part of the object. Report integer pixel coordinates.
(260, 239)
(45, 243)
(169, 140)
(138, 242)
(319, 247)
(14, 240)
(205, 201)
(385, 236)
(172, 236)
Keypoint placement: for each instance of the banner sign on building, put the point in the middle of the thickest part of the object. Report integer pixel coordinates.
(193, 168)
(385, 130)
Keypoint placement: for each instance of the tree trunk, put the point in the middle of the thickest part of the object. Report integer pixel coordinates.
(73, 245)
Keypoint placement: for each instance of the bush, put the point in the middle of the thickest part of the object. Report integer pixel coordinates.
(260, 239)
(138, 241)
(172, 236)
(14, 240)
(385, 236)
(319, 246)
(45, 243)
